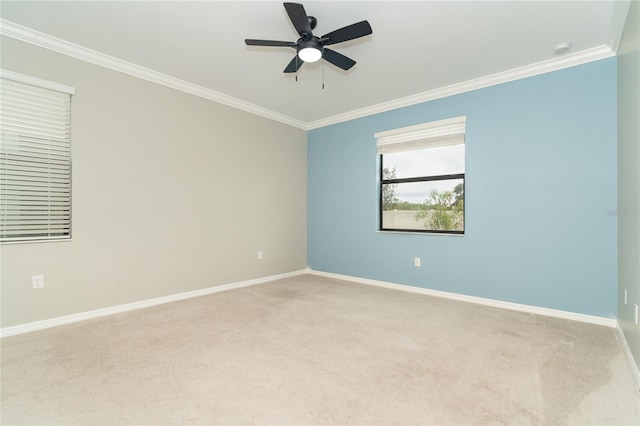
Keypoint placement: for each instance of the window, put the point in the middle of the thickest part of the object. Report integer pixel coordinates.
(35, 159)
(422, 177)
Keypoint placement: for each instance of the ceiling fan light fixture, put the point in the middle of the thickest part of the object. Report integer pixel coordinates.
(310, 51)
(310, 54)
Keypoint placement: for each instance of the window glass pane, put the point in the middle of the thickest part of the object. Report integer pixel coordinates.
(444, 160)
(433, 205)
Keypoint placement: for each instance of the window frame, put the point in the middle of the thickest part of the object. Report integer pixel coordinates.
(408, 135)
(29, 153)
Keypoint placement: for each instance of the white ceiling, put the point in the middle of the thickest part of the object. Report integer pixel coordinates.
(416, 49)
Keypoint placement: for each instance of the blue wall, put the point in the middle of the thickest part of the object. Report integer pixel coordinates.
(540, 176)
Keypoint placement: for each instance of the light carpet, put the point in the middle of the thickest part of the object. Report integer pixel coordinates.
(314, 350)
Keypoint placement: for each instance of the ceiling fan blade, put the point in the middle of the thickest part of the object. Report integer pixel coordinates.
(298, 18)
(253, 42)
(294, 65)
(338, 59)
(359, 29)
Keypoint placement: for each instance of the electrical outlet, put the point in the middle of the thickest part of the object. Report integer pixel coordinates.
(260, 255)
(37, 281)
(416, 262)
(636, 312)
(625, 296)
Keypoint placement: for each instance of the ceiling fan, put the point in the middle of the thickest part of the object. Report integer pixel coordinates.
(310, 48)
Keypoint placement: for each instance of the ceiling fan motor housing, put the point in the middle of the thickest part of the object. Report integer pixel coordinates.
(312, 44)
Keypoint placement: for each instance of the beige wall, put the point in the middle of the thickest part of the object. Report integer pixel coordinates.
(629, 178)
(171, 193)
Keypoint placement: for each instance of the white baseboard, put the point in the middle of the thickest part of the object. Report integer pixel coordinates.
(608, 322)
(627, 352)
(68, 319)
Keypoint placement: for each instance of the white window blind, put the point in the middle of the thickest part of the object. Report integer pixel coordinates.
(429, 135)
(35, 159)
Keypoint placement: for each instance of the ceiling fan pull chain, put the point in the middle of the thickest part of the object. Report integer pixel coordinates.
(322, 75)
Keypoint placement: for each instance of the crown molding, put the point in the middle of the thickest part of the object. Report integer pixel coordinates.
(618, 22)
(28, 35)
(538, 68)
(19, 32)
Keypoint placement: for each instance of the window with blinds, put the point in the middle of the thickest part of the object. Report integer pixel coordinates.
(422, 177)
(35, 159)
